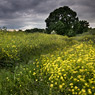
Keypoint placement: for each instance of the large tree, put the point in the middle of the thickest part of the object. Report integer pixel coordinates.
(62, 20)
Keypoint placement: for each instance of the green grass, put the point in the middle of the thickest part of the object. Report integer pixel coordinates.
(42, 64)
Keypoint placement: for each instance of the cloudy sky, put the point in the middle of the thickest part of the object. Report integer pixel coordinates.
(27, 14)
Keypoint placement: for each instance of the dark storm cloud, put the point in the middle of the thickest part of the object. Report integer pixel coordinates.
(32, 13)
(16, 7)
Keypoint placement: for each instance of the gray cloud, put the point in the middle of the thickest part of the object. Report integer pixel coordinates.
(32, 13)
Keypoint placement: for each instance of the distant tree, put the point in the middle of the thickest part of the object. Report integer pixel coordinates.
(62, 19)
(20, 30)
(35, 30)
(28, 30)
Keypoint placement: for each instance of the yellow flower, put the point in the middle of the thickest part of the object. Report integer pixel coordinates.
(71, 84)
(63, 84)
(51, 85)
(60, 86)
(55, 83)
(76, 87)
(34, 73)
(93, 87)
(86, 84)
(36, 79)
(61, 78)
(83, 90)
(72, 90)
(75, 79)
(89, 91)
(14, 46)
(64, 75)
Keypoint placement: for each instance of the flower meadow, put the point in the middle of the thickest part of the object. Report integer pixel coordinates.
(43, 64)
(18, 47)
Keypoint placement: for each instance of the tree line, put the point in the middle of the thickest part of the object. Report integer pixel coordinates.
(63, 21)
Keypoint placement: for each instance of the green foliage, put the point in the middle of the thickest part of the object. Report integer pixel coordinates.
(83, 27)
(58, 27)
(70, 33)
(65, 22)
(61, 20)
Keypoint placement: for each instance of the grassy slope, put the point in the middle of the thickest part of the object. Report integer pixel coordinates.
(49, 65)
(16, 47)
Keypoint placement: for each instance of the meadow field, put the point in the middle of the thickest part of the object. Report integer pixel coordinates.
(43, 64)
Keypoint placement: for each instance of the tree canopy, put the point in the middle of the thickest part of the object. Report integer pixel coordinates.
(64, 21)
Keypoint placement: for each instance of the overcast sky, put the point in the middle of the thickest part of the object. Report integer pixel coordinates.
(27, 14)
